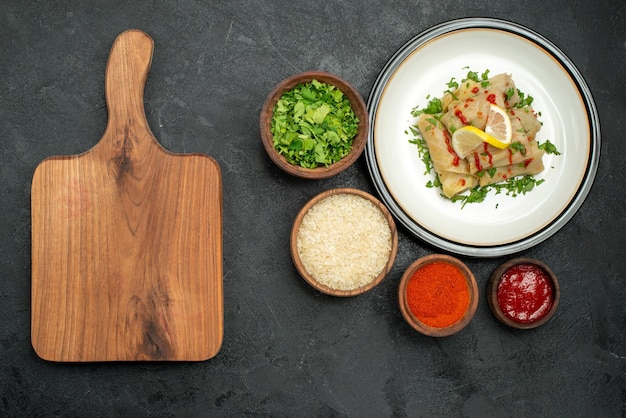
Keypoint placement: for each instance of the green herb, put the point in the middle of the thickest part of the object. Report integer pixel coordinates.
(509, 93)
(512, 187)
(477, 194)
(483, 79)
(432, 108)
(549, 148)
(422, 150)
(472, 75)
(313, 125)
(518, 146)
(524, 100)
(452, 85)
(516, 185)
(434, 183)
(432, 121)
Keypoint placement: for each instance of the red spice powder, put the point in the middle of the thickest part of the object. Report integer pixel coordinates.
(438, 294)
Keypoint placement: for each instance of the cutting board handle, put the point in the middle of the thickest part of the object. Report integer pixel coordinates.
(127, 238)
(125, 79)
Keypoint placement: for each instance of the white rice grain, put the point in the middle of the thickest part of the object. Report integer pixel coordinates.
(344, 241)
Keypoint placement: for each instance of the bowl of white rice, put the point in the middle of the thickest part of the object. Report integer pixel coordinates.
(344, 242)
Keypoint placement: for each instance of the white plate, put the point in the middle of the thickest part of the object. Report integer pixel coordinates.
(501, 224)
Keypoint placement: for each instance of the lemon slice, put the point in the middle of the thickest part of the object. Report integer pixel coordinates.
(466, 139)
(498, 127)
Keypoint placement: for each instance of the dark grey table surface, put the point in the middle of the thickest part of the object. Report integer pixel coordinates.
(289, 350)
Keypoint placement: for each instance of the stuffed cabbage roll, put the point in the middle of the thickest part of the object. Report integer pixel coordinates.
(503, 87)
(471, 111)
(530, 166)
(528, 119)
(455, 183)
(488, 156)
(495, 89)
(439, 145)
(469, 105)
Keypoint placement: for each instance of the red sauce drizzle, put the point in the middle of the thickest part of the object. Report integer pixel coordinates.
(459, 115)
(527, 162)
(455, 160)
(475, 90)
(462, 182)
(525, 293)
(479, 167)
(489, 156)
(491, 98)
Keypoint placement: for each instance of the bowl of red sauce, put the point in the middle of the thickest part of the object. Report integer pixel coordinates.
(523, 293)
(438, 295)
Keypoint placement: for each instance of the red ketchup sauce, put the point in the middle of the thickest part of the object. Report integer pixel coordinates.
(525, 293)
(488, 154)
(479, 166)
(455, 158)
(461, 117)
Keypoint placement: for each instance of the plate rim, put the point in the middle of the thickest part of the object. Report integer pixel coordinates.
(569, 209)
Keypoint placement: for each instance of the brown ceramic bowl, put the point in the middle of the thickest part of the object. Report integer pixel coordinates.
(358, 106)
(418, 324)
(492, 293)
(325, 237)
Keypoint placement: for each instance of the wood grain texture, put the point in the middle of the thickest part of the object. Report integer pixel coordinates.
(127, 238)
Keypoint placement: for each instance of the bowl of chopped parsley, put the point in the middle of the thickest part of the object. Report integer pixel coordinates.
(314, 125)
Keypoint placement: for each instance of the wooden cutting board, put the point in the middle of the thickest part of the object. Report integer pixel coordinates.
(127, 238)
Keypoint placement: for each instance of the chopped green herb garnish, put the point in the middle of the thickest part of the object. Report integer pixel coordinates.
(422, 150)
(549, 148)
(512, 187)
(472, 75)
(477, 194)
(518, 146)
(517, 185)
(314, 125)
(432, 121)
(432, 108)
(509, 93)
(483, 79)
(523, 100)
(452, 85)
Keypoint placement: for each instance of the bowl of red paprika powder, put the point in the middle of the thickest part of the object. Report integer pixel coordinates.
(438, 295)
(523, 293)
